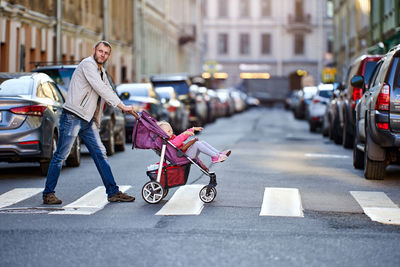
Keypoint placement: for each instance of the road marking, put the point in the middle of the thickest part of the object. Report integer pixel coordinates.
(185, 201)
(90, 203)
(378, 206)
(17, 195)
(315, 155)
(282, 202)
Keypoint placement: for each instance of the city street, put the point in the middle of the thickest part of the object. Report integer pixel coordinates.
(318, 197)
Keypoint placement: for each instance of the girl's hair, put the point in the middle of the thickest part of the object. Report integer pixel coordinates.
(160, 123)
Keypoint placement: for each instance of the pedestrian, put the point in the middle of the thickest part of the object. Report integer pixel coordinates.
(193, 147)
(82, 110)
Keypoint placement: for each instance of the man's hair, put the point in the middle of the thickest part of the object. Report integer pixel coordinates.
(105, 43)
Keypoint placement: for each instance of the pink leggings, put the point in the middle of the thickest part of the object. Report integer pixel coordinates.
(201, 146)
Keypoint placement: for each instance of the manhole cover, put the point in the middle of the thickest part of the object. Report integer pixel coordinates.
(36, 210)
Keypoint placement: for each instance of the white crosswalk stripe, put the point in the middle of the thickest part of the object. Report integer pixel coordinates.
(90, 203)
(282, 202)
(378, 206)
(17, 195)
(185, 201)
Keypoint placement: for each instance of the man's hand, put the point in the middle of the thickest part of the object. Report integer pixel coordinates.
(128, 109)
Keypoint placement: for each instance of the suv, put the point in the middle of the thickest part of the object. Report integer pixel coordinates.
(364, 66)
(112, 128)
(377, 124)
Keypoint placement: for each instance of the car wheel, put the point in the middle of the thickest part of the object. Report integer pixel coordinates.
(121, 145)
(347, 138)
(110, 143)
(358, 155)
(337, 133)
(313, 127)
(373, 170)
(45, 164)
(74, 159)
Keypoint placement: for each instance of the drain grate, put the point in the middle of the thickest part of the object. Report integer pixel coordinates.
(30, 210)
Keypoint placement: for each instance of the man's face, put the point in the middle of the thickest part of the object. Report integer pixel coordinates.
(101, 53)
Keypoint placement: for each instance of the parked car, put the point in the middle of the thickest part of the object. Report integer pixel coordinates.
(364, 66)
(238, 100)
(301, 106)
(291, 99)
(377, 125)
(144, 98)
(181, 84)
(212, 104)
(317, 106)
(227, 100)
(112, 127)
(179, 116)
(200, 106)
(30, 109)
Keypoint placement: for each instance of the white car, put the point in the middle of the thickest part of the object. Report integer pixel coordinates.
(318, 105)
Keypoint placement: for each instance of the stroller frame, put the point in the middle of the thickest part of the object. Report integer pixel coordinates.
(155, 190)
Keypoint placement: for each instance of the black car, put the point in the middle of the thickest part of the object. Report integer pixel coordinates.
(377, 126)
(30, 108)
(112, 129)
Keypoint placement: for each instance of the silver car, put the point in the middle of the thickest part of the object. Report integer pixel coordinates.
(30, 108)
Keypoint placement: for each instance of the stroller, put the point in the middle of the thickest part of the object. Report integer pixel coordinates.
(174, 166)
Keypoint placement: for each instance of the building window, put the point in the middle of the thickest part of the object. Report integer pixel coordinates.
(204, 8)
(223, 8)
(205, 43)
(222, 43)
(329, 9)
(266, 43)
(244, 8)
(244, 44)
(298, 44)
(299, 10)
(265, 8)
(329, 47)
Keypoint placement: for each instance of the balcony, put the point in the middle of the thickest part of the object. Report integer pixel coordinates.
(187, 34)
(299, 23)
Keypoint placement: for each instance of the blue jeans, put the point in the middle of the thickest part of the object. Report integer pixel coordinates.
(70, 127)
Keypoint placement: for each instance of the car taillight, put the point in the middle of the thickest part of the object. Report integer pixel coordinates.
(29, 143)
(34, 110)
(146, 107)
(383, 100)
(172, 109)
(105, 105)
(383, 125)
(357, 93)
(315, 100)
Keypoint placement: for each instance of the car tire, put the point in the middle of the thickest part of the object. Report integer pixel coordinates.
(358, 155)
(45, 163)
(373, 170)
(347, 138)
(110, 143)
(313, 127)
(74, 158)
(121, 147)
(337, 133)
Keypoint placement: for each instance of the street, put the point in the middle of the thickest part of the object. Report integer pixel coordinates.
(270, 149)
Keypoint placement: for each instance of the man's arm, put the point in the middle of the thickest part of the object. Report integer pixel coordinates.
(128, 109)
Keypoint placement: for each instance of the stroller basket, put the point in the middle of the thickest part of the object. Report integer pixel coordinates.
(172, 175)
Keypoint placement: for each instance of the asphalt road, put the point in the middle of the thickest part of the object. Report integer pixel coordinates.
(270, 149)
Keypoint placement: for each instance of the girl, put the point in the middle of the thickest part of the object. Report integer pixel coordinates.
(193, 148)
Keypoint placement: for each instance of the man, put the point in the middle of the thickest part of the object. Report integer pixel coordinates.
(81, 116)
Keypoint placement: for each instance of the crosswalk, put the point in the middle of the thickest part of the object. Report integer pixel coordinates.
(283, 202)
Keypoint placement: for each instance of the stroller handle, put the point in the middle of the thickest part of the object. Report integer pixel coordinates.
(134, 114)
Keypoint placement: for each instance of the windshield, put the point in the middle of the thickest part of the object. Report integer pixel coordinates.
(181, 87)
(326, 93)
(16, 87)
(133, 91)
(60, 76)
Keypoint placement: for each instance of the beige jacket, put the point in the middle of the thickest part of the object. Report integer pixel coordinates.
(85, 88)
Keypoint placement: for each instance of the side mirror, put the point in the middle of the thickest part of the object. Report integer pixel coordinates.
(125, 96)
(357, 81)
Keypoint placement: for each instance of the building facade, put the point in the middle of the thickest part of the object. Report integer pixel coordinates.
(146, 35)
(286, 38)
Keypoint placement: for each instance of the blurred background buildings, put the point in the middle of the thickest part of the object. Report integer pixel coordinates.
(302, 41)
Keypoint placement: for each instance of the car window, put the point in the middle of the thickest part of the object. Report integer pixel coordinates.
(326, 93)
(369, 68)
(44, 90)
(180, 87)
(16, 87)
(373, 81)
(57, 94)
(60, 76)
(134, 91)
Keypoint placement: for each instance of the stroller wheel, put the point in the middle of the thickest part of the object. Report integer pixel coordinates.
(152, 192)
(209, 196)
(165, 192)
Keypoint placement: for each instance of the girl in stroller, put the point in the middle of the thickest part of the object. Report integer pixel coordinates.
(193, 147)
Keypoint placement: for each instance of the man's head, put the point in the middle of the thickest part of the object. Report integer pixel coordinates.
(101, 52)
